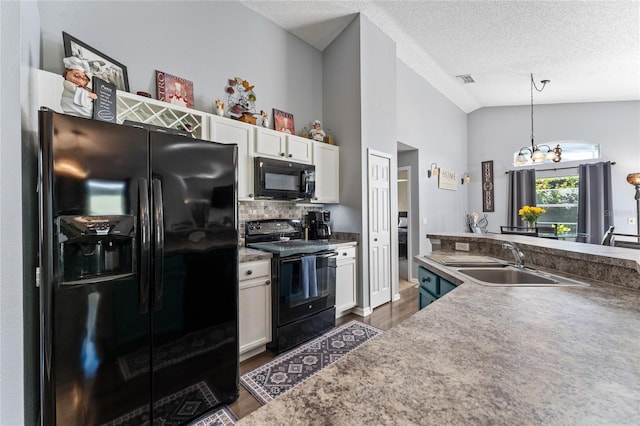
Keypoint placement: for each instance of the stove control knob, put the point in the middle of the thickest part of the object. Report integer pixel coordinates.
(258, 226)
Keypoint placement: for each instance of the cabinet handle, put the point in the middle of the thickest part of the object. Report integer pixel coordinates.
(267, 282)
(250, 195)
(290, 155)
(426, 279)
(282, 154)
(375, 239)
(344, 254)
(249, 272)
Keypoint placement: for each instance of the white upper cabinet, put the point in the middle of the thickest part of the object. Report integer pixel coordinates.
(274, 144)
(299, 149)
(326, 158)
(225, 130)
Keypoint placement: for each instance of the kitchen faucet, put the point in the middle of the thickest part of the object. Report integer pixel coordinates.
(517, 254)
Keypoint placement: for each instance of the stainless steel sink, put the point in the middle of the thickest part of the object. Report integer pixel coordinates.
(510, 276)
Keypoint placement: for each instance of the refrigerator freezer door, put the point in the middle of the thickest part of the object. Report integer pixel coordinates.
(195, 321)
(91, 317)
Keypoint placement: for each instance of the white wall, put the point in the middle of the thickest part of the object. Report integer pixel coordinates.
(438, 130)
(496, 133)
(205, 42)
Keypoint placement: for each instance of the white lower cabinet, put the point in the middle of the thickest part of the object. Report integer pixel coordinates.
(346, 280)
(255, 307)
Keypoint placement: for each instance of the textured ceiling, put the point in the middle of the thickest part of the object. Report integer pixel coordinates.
(590, 50)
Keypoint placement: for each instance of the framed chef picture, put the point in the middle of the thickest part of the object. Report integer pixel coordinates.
(101, 65)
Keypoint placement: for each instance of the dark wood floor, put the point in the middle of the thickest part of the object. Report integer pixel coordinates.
(383, 317)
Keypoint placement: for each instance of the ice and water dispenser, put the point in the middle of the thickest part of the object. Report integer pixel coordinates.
(96, 248)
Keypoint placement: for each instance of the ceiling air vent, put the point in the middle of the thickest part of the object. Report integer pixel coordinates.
(465, 78)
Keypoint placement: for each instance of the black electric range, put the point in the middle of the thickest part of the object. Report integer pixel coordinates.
(303, 277)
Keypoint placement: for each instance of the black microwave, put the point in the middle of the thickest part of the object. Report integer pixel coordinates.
(284, 180)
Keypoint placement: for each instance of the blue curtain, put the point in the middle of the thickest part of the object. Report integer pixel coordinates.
(595, 201)
(522, 192)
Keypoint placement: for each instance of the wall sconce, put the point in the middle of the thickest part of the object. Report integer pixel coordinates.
(465, 178)
(433, 170)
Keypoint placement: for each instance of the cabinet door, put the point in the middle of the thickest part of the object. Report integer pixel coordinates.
(299, 149)
(445, 286)
(228, 131)
(424, 298)
(254, 314)
(346, 279)
(270, 143)
(326, 158)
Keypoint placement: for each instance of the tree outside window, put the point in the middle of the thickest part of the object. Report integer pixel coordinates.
(559, 197)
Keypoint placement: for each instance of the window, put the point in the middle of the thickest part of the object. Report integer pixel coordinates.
(559, 197)
(571, 151)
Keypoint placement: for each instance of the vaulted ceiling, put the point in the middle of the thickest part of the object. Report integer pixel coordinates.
(590, 50)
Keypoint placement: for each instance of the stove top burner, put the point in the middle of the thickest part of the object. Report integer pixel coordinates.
(293, 247)
(266, 235)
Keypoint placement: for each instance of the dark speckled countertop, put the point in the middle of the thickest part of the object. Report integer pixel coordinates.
(486, 355)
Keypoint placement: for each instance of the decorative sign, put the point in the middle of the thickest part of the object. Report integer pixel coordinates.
(175, 90)
(487, 186)
(104, 108)
(448, 180)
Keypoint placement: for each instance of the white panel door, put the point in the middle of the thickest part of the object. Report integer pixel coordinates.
(379, 229)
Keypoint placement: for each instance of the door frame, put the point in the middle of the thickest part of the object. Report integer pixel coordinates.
(409, 228)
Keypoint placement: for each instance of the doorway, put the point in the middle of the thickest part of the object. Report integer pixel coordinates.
(404, 228)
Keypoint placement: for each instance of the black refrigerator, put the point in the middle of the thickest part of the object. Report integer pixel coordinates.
(139, 274)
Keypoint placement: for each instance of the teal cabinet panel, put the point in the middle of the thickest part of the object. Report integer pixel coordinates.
(431, 287)
(445, 286)
(428, 280)
(424, 298)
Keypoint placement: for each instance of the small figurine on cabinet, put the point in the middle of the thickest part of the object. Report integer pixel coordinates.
(317, 133)
(77, 98)
(219, 108)
(265, 118)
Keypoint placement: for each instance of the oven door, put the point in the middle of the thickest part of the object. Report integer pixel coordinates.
(306, 284)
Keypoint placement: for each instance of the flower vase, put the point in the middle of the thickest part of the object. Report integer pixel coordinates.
(531, 225)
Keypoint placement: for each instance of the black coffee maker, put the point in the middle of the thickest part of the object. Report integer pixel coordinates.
(319, 228)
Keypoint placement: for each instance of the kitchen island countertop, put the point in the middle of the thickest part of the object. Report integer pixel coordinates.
(486, 355)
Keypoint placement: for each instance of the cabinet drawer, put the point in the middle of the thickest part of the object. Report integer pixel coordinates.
(428, 280)
(346, 253)
(251, 270)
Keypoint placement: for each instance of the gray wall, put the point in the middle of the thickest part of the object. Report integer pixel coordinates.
(496, 133)
(19, 44)
(205, 42)
(438, 130)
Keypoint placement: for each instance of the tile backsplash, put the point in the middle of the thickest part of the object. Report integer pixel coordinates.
(264, 209)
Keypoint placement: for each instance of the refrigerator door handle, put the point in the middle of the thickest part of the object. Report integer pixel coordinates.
(159, 242)
(145, 246)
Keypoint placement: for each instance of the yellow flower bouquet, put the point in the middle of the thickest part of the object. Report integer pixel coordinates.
(531, 213)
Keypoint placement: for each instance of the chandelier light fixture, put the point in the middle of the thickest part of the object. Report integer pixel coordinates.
(535, 151)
